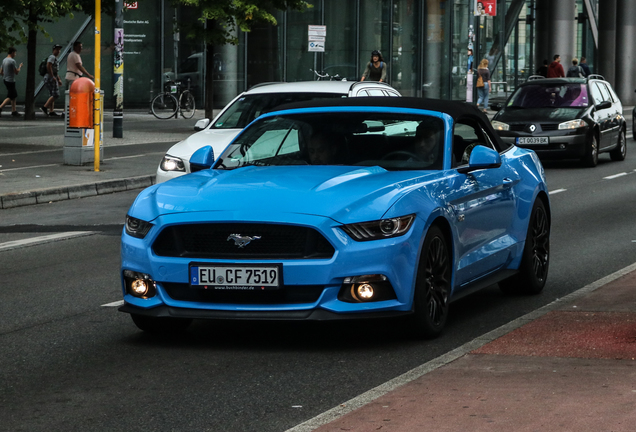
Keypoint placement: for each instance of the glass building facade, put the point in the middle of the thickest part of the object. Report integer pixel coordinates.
(424, 44)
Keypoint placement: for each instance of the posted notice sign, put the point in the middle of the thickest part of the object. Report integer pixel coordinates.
(486, 8)
(316, 36)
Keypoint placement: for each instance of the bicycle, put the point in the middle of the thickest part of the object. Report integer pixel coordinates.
(326, 76)
(172, 101)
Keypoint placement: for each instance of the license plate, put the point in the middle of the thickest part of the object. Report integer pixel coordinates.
(533, 140)
(235, 277)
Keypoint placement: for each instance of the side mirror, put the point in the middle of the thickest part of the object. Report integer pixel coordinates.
(604, 105)
(201, 124)
(481, 158)
(496, 106)
(202, 159)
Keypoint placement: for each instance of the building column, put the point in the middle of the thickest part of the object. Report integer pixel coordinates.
(606, 40)
(626, 51)
(542, 29)
(562, 30)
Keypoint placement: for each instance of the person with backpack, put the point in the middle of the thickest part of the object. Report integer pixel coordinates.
(376, 68)
(575, 71)
(52, 81)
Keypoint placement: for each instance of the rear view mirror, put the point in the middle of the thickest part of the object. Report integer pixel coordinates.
(604, 105)
(496, 106)
(201, 124)
(481, 157)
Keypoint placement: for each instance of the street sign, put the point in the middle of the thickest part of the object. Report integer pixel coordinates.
(486, 7)
(316, 37)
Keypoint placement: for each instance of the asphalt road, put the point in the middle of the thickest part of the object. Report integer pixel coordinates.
(70, 361)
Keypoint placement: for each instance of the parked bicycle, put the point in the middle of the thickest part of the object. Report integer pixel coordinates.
(172, 101)
(326, 76)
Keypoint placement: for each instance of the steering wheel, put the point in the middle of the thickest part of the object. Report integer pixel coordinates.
(402, 154)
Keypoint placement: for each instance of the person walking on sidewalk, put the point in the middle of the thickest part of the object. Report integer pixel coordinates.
(74, 68)
(9, 70)
(376, 68)
(555, 70)
(483, 89)
(52, 81)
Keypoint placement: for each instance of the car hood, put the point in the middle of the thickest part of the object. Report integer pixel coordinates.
(342, 193)
(527, 115)
(217, 138)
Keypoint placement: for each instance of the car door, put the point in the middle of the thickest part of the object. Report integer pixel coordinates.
(482, 203)
(602, 117)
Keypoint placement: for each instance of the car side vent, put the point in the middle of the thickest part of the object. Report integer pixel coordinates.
(242, 241)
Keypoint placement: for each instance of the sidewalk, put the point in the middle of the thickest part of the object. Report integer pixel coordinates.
(569, 366)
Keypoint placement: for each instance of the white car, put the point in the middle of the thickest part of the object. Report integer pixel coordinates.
(250, 104)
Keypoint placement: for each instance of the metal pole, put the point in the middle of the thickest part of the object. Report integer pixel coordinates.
(97, 106)
(118, 71)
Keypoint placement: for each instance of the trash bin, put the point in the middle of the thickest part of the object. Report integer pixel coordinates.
(79, 135)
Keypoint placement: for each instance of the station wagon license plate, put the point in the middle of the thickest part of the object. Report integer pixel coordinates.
(533, 140)
(236, 277)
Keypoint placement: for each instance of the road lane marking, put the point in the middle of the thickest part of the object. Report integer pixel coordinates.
(556, 191)
(615, 176)
(28, 167)
(419, 371)
(114, 304)
(43, 239)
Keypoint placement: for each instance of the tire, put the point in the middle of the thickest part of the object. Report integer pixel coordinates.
(164, 106)
(619, 153)
(160, 325)
(432, 286)
(591, 153)
(535, 261)
(186, 105)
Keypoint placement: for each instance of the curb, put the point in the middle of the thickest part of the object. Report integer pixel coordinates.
(41, 196)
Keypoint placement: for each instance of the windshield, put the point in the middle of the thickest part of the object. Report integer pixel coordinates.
(550, 96)
(391, 141)
(247, 108)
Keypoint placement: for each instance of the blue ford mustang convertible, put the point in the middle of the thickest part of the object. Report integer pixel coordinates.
(340, 209)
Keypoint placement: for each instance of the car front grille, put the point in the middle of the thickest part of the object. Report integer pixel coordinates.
(214, 241)
(549, 126)
(289, 294)
(517, 127)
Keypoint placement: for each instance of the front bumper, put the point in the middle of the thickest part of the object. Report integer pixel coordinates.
(560, 146)
(396, 258)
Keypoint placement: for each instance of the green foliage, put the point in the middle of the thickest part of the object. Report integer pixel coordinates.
(218, 19)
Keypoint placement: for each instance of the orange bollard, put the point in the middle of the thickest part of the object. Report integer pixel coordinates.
(80, 109)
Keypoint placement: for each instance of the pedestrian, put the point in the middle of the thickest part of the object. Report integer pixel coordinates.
(555, 70)
(9, 70)
(543, 70)
(74, 68)
(52, 81)
(575, 70)
(376, 68)
(585, 67)
(483, 85)
(470, 60)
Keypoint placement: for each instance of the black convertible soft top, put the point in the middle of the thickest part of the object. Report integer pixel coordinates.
(457, 110)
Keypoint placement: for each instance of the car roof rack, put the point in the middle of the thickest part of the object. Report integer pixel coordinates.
(596, 76)
(535, 77)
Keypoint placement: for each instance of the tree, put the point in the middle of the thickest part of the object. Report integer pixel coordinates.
(217, 24)
(23, 20)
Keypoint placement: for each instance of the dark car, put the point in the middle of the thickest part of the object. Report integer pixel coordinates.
(565, 118)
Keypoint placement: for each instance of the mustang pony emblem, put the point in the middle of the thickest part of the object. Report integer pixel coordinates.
(242, 241)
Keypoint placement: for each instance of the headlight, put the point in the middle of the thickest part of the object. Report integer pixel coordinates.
(497, 125)
(572, 124)
(136, 227)
(380, 229)
(171, 163)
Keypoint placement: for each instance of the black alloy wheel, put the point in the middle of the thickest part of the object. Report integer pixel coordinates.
(535, 262)
(619, 153)
(591, 152)
(432, 286)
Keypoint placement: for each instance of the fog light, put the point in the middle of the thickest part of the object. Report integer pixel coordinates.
(365, 291)
(140, 287)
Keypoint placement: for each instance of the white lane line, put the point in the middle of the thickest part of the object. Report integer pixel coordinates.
(126, 157)
(43, 239)
(419, 371)
(556, 191)
(114, 304)
(28, 167)
(615, 176)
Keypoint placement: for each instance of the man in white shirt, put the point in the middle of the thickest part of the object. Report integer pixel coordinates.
(74, 68)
